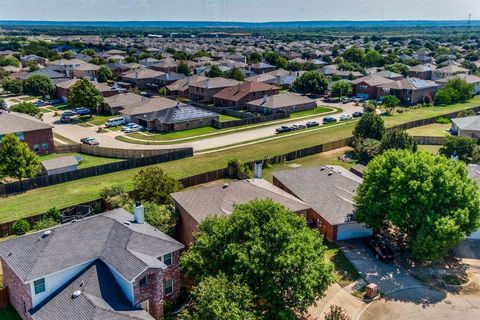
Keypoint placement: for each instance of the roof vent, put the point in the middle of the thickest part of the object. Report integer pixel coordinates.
(322, 168)
(76, 294)
(127, 223)
(225, 185)
(330, 173)
(46, 233)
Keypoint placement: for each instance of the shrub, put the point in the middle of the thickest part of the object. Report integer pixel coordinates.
(443, 120)
(21, 227)
(53, 214)
(45, 224)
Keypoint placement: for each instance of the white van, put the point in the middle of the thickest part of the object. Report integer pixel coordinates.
(113, 122)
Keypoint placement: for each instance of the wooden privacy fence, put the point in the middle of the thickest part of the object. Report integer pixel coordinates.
(48, 180)
(241, 122)
(436, 141)
(112, 152)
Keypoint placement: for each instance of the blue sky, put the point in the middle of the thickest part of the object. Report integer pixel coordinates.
(239, 10)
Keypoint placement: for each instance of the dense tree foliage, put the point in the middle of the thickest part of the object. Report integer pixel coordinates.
(461, 147)
(39, 85)
(455, 90)
(84, 94)
(214, 72)
(311, 82)
(184, 69)
(399, 68)
(390, 103)
(354, 54)
(16, 159)
(341, 88)
(266, 247)
(9, 61)
(104, 74)
(370, 126)
(430, 199)
(398, 139)
(235, 74)
(14, 86)
(26, 107)
(153, 184)
(367, 149)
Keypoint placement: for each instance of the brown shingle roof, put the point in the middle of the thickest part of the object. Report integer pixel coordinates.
(236, 93)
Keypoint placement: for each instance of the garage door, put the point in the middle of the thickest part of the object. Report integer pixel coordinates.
(352, 230)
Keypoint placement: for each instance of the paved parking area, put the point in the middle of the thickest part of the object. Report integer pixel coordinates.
(388, 276)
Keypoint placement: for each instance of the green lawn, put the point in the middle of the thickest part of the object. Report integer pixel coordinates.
(87, 160)
(429, 148)
(29, 98)
(344, 272)
(79, 191)
(65, 140)
(431, 130)
(225, 118)
(99, 120)
(316, 111)
(58, 107)
(9, 314)
(173, 135)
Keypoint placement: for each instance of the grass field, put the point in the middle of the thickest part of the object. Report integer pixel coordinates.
(318, 110)
(58, 107)
(225, 118)
(429, 148)
(344, 272)
(65, 140)
(74, 192)
(431, 130)
(87, 160)
(9, 314)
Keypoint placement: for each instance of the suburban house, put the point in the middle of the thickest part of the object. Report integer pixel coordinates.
(165, 115)
(422, 71)
(63, 89)
(448, 71)
(76, 68)
(141, 78)
(115, 103)
(242, 93)
(194, 205)
(466, 127)
(35, 133)
(261, 67)
(205, 90)
(108, 266)
(329, 191)
(389, 75)
(469, 78)
(281, 103)
(180, 87)
(263, 77)
(60, 165)
(410, 91)
(31, 57)
(366, 87)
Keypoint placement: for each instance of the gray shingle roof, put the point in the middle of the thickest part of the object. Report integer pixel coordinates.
(328, 190)
(467, 123)
(219, 200)
(13, 122)
(101, 298)
(60, 162)
(129, 249)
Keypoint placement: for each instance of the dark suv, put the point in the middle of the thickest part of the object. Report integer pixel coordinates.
(380, 249)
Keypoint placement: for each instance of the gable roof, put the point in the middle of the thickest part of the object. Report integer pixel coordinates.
(13, 122)
(127, 248)
(212, 83)
(142, 74)
(410, 84)
(281, 101)
(220, 200)
(328, 190)
(236, 93)
(467, 123)
(123, 99)
(372, 80)
(101, 298)
(60, 162)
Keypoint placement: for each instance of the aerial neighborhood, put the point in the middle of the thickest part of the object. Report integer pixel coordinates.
(239, 171)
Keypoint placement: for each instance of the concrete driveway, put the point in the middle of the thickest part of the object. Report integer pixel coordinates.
(423, 304)
(388, 276)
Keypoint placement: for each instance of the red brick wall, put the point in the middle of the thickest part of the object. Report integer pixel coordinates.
(371, 91)
(154, 289)
(40, 137)
(186, 226)
(19, 292)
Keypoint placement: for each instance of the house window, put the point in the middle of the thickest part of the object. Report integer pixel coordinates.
(36, 147)
(167, 259)
(45, 146)
(39, 285)
(20, 136)
(143, 282)
(168, 287)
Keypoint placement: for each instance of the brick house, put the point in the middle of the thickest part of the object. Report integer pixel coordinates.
(205, 90)
(239, 95)
(366, 87)
(281, 103)
(35, 133)
(106, 266)
(62, 89)
(410, 91)
(422, 71)
(141, 78)
(194, 205)
(329, 192)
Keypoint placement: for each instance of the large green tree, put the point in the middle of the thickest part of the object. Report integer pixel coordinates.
(390, 103)
(354, 54)
(14, 86)
(217, 298)
(398, 139)
(462, 147)
(311, 82)
(341, 88)
(9, 61)
(184, 69)
(429, 199)
(370, 126)
(267, 247)
(26, 107)
(39, 85)
(398, 68)
(235, 74)
(154, 185)
(84, 94)
(214, 72)
(16, 159)
(104, 74)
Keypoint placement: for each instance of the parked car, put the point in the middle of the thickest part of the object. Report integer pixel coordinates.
(297, 127)
(83, 111)
(312, 124)
(345, 117)
(346, 100)
(90, 141)
(134, 128)
(65, 119)
(380, 249)
(69, 113)
(41, 103)
(329, 120)
(283, 129)
(128, 126)
(113, 122)
(357, 114)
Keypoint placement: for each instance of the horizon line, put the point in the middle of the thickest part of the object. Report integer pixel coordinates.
(250, 22)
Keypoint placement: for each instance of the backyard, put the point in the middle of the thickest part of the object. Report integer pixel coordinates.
(79, 191)
(431, 130)
(87, 160)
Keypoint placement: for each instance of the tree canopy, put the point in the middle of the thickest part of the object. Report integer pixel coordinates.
(455, 90)
(341, 88)
(214, 72)
(235, 74)
(370, 126)
(104, 74)
(311, 82)
(14, 86)
(398, 139)
(84, 94)
(16, 159)
(26, 107)
(266, 247)
(153, 184)
(430, 199)
(184, 69)
(39, 85)
(462, 147)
